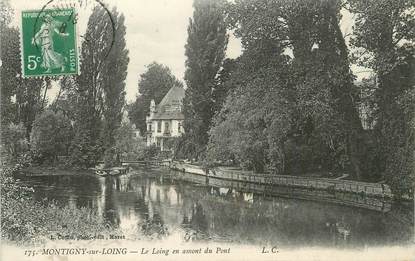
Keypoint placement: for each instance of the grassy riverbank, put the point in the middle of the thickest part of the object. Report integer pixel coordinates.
(26, 221)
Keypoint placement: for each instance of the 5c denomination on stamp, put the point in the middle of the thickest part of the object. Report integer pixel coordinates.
(49, 43)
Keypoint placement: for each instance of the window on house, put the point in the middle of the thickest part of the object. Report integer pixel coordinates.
(166, 127)
(179, 127)
(159, 126)
(149, 127)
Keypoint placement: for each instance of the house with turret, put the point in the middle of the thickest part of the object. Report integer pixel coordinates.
(165, 120)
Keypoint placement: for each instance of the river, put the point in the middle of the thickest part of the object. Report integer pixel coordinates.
(154, 205)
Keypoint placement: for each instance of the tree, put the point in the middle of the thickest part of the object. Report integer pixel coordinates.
(137, 112)
(128, 144)
(10, 56)
(14, 142)
(322, 57)
(205, 51)
(154, 83)
(223, 84)
(254, 116)
(67, 98)
(31, 100)
(100, 87)
(51, 136)
(300, 111)
(114, 76)
(28, 94)
(86, 147)
(383, 38)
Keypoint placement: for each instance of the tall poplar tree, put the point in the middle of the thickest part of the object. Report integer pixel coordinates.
(100, 87)
(113, 78)
(205, 51)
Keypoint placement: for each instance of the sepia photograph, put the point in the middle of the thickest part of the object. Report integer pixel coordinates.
(207, 130)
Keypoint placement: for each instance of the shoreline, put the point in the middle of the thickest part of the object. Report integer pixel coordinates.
(277, 185)
(54, 171)
(378, 190)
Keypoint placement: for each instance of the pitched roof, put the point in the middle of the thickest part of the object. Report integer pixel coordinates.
(174, 95)
(170, 106)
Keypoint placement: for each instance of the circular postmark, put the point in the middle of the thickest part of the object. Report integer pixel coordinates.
(60, 5)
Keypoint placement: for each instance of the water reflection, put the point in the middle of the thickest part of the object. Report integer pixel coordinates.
(154, 206)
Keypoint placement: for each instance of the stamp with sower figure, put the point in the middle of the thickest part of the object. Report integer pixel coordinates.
(49, 42)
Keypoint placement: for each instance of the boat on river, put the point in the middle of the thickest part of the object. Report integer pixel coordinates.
(113, 171)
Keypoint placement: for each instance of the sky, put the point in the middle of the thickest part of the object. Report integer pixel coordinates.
(156, 31)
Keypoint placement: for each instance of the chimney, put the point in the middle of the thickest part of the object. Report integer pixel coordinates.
(152, 108)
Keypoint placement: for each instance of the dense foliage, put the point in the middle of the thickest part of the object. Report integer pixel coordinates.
(384, 39)
(128, 144)
(294, 106)
(284, 108)
(51, 136)
(14, 142)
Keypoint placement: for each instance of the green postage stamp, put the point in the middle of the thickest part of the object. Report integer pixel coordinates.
(49, 43)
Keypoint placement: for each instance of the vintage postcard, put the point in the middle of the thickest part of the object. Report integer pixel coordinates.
(207, 130)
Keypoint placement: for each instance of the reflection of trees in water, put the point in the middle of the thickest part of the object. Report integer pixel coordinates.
(151, 224)
(277, 221)
(252, 218)
(186, 199)
(199, 221)
(154, 227)
(145, 200)
(216, 213)
(196, 224)
(110, 205)
(225, 213)
(400, 221)
(73, 191)
(196, 221)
